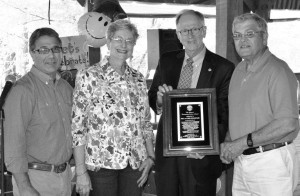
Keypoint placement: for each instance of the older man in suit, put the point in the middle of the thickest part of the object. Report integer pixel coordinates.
(193, 67)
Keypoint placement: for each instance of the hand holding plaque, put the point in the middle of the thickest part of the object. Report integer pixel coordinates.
(190, 122)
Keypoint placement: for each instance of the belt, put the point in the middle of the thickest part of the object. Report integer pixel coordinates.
(48, 167)
(265, 148)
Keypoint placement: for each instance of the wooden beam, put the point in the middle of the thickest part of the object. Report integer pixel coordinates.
(264, 8)
(81, 2)
(226, 10)
(251, 5)
(88, 6)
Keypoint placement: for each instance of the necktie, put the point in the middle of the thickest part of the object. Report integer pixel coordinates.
(185, 79)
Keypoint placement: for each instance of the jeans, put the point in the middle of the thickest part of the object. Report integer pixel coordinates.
(110, 182)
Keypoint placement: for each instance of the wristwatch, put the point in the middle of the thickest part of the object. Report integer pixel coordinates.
(249, 140)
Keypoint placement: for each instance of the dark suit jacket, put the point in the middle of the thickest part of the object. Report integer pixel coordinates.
(215, 73)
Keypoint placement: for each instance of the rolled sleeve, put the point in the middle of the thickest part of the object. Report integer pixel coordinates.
(147, 127)
(18, 112)
(81, 95)
(158, 109)
(148, 131)
(16, 165)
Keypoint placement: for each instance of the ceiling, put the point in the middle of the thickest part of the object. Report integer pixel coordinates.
(287, 4)
(202, 2)
(277, 4)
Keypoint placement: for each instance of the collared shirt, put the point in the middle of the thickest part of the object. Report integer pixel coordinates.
(37, 121)
(197, 65)
(111, 116)
(261, 94)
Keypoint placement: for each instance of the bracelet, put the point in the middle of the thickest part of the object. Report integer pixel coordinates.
(81, 173)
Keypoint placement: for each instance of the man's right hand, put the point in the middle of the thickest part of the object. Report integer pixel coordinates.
(160, 93)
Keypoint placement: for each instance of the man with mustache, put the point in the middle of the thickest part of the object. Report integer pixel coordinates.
(37, 134)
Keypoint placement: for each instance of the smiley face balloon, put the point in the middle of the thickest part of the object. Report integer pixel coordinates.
(94, 25)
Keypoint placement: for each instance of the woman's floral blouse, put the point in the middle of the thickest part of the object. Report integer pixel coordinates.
(111, 116)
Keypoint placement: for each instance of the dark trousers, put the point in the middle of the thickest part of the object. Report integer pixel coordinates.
(207, 189)
(175, 178)
(109, 182)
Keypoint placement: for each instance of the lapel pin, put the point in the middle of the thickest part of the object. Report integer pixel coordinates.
(209, 69)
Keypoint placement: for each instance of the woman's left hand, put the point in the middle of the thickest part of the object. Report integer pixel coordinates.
(145, 167)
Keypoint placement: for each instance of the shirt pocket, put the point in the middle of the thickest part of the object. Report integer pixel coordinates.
(47, 112)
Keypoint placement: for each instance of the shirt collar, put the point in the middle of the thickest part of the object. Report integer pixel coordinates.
(42, 76)
(108, 69)
(198, 58)
(258, 64)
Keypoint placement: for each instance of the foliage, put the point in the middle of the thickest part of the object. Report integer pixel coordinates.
(20, 18)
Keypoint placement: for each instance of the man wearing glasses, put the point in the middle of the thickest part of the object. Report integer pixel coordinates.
(193, 67)
(37, 127)
(263, 115)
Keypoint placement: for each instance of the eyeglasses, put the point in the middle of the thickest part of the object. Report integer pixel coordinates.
(194, 31)
(120, 40)
(248, 34)
(55, 49)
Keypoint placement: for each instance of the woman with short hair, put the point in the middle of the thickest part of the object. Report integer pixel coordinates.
(112, 133)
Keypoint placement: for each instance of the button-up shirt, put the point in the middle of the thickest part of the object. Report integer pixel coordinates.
(111, 117)
(37, 126)
(197, 65)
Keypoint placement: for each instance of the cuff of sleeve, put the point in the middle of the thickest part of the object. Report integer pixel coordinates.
(79, 140)
(158, 109)
(148, 135)
(17, 165)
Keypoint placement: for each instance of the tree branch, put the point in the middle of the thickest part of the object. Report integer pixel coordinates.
(21, 10)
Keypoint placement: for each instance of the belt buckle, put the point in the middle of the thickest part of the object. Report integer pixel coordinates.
(260, 149)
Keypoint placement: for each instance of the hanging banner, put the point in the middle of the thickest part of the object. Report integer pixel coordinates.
(75, 53)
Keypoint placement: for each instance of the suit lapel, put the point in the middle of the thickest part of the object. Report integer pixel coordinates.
(206, 71)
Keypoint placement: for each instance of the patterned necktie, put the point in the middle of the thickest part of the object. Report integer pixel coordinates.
(185, 79)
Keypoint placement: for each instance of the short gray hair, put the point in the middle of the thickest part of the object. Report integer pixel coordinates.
(186, 11)
(121, 25)
(261, 23)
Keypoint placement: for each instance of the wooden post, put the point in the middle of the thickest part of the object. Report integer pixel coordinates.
(226, 10)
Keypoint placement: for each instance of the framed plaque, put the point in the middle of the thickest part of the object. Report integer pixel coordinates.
(190, 122)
